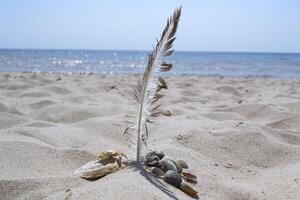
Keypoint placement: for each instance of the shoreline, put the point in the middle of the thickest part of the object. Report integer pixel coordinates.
(163, 75)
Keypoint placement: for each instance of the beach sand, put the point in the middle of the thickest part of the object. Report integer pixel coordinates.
(240, 136)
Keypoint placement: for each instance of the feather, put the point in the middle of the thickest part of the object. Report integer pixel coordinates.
(146, 93)
(165, 67)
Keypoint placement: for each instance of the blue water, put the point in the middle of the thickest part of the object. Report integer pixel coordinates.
(279, 65)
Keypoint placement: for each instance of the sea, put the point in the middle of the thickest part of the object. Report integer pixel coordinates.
(227, 64)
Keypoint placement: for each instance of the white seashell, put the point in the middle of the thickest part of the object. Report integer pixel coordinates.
(107, 162)
(95, 169)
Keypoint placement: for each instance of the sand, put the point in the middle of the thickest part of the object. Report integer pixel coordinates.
(240, 136)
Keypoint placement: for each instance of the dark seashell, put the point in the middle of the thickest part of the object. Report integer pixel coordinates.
(154, 155)
(168, 165)
(182, 164)
(173, 178)
(154, 163)
(157, 171)
(149, 156)
(160, 154)
(151, 161)
(165, 158)
(152, 158)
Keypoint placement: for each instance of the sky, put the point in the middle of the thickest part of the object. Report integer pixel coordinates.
(206, 25)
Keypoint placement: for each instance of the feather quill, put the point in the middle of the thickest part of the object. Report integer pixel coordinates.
(146, 93)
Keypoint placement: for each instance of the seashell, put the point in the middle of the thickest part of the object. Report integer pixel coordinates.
(189, 190)
(160, 154)
(173, 178)
(189, 177)
(157, 171)
(179, 169)
(110, 154)
(107, 162)
(154, 155)
(154, 163)
(151, 158)
(95, 169)
(168, 165)
(164, 160)
(182, 164)
(167, 158)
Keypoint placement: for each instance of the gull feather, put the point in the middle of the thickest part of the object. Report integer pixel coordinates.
(146, 93)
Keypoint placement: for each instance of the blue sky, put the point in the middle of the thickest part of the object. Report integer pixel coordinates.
(206, 25)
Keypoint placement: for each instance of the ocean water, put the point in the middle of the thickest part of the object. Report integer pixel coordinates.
(279, 65)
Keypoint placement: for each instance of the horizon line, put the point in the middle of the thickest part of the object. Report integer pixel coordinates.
(143, 50)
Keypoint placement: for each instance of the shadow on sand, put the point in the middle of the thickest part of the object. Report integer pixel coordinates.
(152, 179)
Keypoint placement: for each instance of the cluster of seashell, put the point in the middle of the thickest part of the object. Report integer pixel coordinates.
(171, 171)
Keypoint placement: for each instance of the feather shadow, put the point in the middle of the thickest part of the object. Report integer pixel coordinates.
(136, 166)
